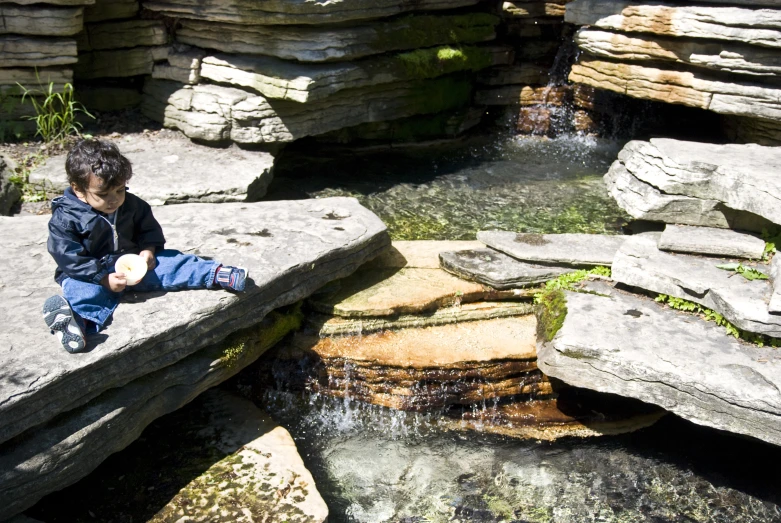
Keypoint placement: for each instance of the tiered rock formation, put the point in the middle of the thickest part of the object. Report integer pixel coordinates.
(62, 414)
(37, 46)
(720, 56)
(277, 74)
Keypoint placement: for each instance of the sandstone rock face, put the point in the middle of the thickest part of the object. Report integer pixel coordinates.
(34, 20)
(739, 177)
(679, 362)
(496, 269)
(725, 57)
(248, 12)
(711, 241)
(744, 303)
(53, 400)
(560, 249)
(754, 26)
(215, 113)
(309, 44)
(20, 51)
(9, 192)
(280, 79)
(169, 169)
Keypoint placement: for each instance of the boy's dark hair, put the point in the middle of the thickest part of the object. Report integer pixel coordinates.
(100, 158)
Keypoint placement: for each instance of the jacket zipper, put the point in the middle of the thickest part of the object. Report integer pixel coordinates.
(113, 226)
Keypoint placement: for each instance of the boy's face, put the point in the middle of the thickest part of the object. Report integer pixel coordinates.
(100, 198)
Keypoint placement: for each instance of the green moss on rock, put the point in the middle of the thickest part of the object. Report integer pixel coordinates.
(550, 311)
(437, 61)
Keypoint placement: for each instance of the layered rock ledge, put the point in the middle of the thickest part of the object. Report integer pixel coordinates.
(62, 414)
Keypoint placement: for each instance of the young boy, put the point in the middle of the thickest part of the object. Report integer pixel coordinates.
(94, 223)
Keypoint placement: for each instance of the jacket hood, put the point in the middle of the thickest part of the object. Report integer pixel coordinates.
(70, 201)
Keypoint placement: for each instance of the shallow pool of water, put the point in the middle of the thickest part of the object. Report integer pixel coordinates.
(376, 465)
(450, 192)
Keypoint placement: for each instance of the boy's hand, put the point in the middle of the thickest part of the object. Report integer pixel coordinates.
(149, 256)
(115, 281)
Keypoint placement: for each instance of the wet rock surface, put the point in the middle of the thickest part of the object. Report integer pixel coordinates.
(171, 169)
(680, 362)
(496, 269)
(560, 249)
(290, 248)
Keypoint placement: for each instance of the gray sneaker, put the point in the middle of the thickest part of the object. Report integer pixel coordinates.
(61, 321)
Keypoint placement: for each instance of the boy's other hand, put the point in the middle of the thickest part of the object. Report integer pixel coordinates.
(116, 282)
(149, 256)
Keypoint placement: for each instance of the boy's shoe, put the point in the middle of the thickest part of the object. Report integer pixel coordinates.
(233, 278)
(60, 319)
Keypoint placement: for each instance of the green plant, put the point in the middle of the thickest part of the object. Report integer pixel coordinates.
(566, 281)
(55, 112)
(31, 192)
(772, 239)
(711, 315)
(747, 272)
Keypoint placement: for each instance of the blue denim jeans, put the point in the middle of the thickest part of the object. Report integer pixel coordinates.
(174, 271)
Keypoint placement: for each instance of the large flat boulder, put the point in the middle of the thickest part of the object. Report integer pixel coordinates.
(45, 21)
(677, 361)
(215, 113)
(711, 242)
(248, 12)
(318, 44)
(743, 302)
(290, 248)
(497, 269)
(760, 27)
(281, 79)
(558, 249)
(22, 51)
(738, 97)
(741, 177)
(169, 168)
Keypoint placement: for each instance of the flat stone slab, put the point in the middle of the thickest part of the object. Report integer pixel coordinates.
(392, 292)
(283, 79)
(169, 168)
(563, 249)
(118, 63)
(43, 21)
(21, 51)
(760, 27)
(682, 363)
(340, 43)
(774, 305)
(249, 12)
(711, 241)
(744, 303)
(418, 254)
(290, 248)
(111, 10)
(496, 269)
(128, 33)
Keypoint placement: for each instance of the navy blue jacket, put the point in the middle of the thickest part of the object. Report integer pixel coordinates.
(81, 239)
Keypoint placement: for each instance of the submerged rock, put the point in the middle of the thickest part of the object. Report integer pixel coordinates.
(560, 249)
(497, 269)
(711, 241)
(51, 401)
(678, 361)
(744, 303)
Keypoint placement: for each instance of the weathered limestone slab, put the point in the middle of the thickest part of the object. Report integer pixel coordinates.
(61, 451)
(483, 310)
(118, 63)
(281, 79)
(291, 248)
(391, 292)
(744, 303)
(184, 65)
(248, 12)
(35, 80)
(725, 57)
(315, 44)
(753, 130)
(646, 202)
(9, 192)
(418, 254)
(742, 177)
(215, 113)
(35, 20)
(753, 26)
(682, 363)
(561, 249)
(496, 269)
(711, 241)
(128, 33)
(21, 51)
(533, 8)
(268, 478)
(774, 306)
(171, 169)
(104, 10)
(681, 87)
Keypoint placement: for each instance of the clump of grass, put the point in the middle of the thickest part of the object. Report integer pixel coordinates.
(55, 112)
